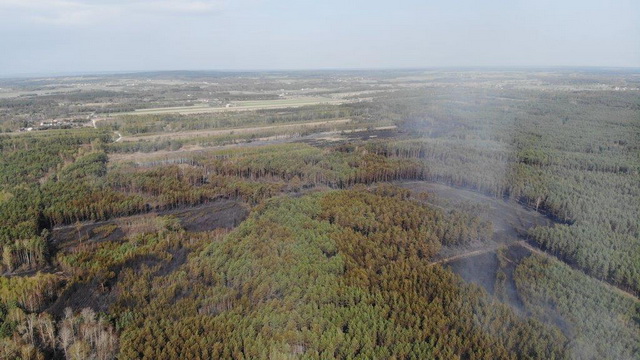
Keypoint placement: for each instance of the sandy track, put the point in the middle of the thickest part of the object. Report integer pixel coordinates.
(476, 252)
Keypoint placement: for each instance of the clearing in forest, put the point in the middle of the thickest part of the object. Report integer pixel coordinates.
(199, 133)
(239, 106)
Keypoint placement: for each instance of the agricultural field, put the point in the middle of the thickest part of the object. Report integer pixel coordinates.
(342, 214)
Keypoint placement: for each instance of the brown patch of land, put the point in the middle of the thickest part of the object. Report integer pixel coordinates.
(100, 293)
(210, 216)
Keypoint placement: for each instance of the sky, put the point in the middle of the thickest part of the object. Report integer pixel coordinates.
(75, 36)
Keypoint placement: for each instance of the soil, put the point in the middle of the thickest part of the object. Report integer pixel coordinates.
(509, 218)
(99, 294)
(478, 263)
(217, 214)
(482, 270)
(225, 214)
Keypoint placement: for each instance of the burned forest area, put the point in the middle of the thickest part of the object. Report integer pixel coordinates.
(405, 214)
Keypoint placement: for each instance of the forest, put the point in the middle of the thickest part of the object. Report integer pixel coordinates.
(203, 236)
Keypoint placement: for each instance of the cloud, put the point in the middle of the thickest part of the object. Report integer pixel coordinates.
(183, 6)
(59, 12)
(87, 12)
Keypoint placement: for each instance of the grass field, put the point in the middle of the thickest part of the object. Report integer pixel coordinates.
(239, 106)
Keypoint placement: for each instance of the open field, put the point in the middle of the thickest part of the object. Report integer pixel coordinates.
(238, 106)
(320, 139)
(203, 133)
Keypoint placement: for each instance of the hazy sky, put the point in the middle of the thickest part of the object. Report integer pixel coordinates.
(57, 36)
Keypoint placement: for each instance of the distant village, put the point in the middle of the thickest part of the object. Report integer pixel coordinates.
(53, 124)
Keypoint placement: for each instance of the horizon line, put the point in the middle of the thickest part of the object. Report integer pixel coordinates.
(62, 74)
